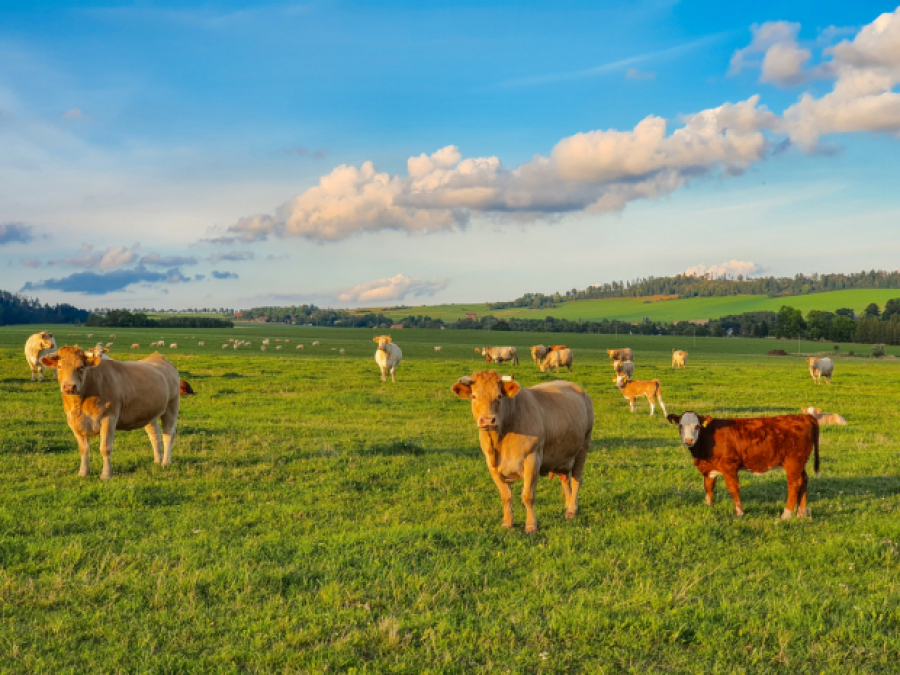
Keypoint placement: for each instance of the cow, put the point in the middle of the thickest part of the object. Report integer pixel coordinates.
(225, 346)
(632, 389)
(99, 351)
(722, 447)
(37, 346)
(341, 350)
(266, 341)
(174, 345)
(624, 354)
(279, 347)
(819, 368)
(538, 352)
(500, 354)
(557, 358)
(102, 396)
(299, 346)
(525, 433)
(437, 349)
(315, 343)
(201, 344)
(679, 358)
(825, 418)
(263, 348)
(387, 356)
(112, 336)
(625, 368)
(135, 346)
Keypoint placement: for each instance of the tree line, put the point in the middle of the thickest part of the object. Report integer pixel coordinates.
(122, 318)
(16, 309)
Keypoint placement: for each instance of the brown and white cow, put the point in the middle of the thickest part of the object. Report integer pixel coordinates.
(819, 368)
(624, 354)
(102, 396)
(37, 346)
(543, 430)
(632, 389)
(679, 358)
(500, 354)
(556, 358)
(722, 447)
(825, 418)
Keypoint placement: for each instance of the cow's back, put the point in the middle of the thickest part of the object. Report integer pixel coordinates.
(560, 412)
(139, 391)
(760, 443)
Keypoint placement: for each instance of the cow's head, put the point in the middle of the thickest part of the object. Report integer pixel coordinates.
(382, 340)
(72, 365)
(811, 410)
(812, 360)
(621, 380)
(538, 351)
(487, 389)
(613, 353)
(689, 425)
(47, 341)
(548, 362)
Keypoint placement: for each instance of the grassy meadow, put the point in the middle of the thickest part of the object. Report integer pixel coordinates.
(661, 309)
(315, 519)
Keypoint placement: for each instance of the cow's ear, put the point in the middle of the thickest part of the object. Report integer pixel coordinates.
(462, 390)
(705, 419)
(674, 419)
(50, 361)
(511, 388)
(374, 339)
(389, 339)
(92, 361)
(818, 411)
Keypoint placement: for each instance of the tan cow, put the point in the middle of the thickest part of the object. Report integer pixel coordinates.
(387, 356)
(538, 352)
(624, 354)
(825, 418)
(557, 358)
(679, 358)
(632, 389)
(819, 368)
(135, 346)
(37, 346)
(102, 396)
(500, 354)
(543, 430)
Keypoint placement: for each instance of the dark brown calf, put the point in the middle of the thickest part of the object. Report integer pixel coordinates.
(722, 447)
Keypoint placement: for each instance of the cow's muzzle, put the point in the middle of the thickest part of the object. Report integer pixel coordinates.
(70, 389)
(487, 422)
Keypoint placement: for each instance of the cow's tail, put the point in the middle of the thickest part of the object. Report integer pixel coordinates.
(816, 448)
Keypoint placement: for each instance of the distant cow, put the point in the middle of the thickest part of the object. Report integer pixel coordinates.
(201, 344)
(819, 368)
(341, 350)
(825, 418)
(37, 346)
(135, 346)
(722, 447)
(538, 352)
(315, 343)
(632, 389)
(174, 345)
(387, 356)
(624, 354)
(299, 346)
(500, 354)
(437, 349)
(102, 396)
(679, 358)
(266, 341)
(263, 348)
(225, 346)
(625, 368)
(557, 358)
(543, 430)
(278, 348)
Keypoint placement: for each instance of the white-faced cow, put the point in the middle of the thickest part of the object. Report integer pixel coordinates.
(543, 430)
(819, 368)
(37, 346)
(722, 447)
(102, 396)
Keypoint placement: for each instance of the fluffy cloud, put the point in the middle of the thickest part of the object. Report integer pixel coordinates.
(224, 275)
(783, 60)
(169, 261)
(94, 283)
(15, 232)
(732, 268)
(390, 290)
(108, 259)
(233, 256)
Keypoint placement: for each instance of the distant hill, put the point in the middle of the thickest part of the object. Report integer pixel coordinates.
(15, 309)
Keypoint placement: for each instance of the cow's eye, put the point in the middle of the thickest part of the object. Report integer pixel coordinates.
(474, 396)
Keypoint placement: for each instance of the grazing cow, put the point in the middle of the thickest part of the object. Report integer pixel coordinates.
(109, 344)
(679, 358)
(102, 396)
(437, 349)
(135, 346)
(722, 447)
(263, 348)
(825, 418)
(387, 356)
(543, 430)
(112, 336)
(266, 341)
(557, 358)
(201, 344)
(38, 345)
(315, 343)
(624, 354)
(538, 352)
(632, 389)
(90, 335)
(225, 346)
(500, 354)
(819, 368)
(174, 345)
(278, 348)
(342, 351)
(625, 368)
(299, 346)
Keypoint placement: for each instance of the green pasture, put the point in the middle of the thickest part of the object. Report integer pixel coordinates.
(635, 309)
(317, 520)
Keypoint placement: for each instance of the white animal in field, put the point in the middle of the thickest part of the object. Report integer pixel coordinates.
(437, 349)
(277, 348)
(266, 341)
(342, 351)
(90, 335)
(174, 345)
(225, 346)
(679, 358)
(299, 346)
(387, 356)
(135, 346)
(315, 343)
(825, 418)
(37, 346)
(819, 368)
(201, 344)
(263, 348)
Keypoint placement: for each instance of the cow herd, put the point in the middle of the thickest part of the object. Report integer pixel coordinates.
(525, 433)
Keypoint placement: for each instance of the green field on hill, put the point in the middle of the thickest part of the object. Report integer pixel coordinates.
(317, 520)
(636, 309)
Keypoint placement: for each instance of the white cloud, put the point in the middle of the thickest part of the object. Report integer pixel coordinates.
(732, 268)
(390, 290)
(108, 259)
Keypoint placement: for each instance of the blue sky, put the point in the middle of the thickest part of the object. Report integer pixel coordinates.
(233, 154)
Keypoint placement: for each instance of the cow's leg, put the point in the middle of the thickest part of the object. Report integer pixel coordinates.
(33, 370)
(107, 437)
(576, 477)
(152, 430)
(631, 402)
(794, 481)
(650, 401)
(530, 478)
(709, 483)
(662, 405)
(40, 367)
(565, 483)
(393, 368)
(505, 498)
(803, 510)
(169, 420)
(84, 447)
(731, 482)
(384, 373)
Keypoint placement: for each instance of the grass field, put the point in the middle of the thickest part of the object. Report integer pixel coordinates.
(635, 309)
(317, 520)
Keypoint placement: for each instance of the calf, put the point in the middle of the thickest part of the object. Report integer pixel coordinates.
(722, 447)
(102, 396)
(624, 354)
(37, 346)
(500, 354)
(543, 430)
(557, 358)
(631, 389)
(679, 358)
(825, 418)
(819, 368)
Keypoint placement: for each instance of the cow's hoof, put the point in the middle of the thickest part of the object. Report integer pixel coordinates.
(738, 514)
(570, 515)
(106, 476)
(83, 473)
(787, 514)
(531, 530)
(507, 526)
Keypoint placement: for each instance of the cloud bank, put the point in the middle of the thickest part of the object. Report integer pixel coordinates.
(95, 283)
(15, 232)
(393, 289)
(732, 268)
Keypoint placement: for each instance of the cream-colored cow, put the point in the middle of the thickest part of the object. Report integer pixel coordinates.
(387, 356)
